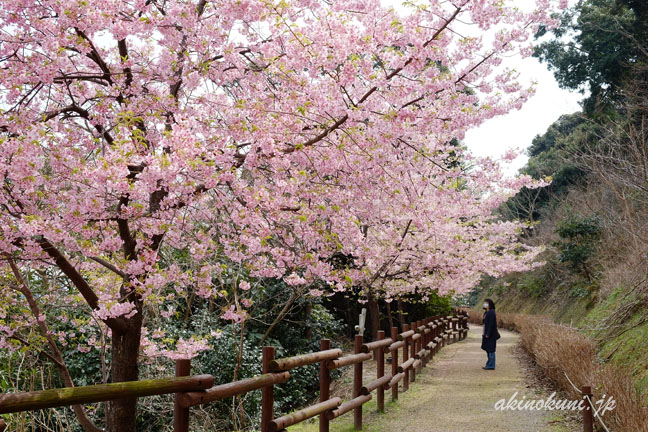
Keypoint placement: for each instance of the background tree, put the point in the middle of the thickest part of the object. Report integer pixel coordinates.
(596, 47)
(156, 153)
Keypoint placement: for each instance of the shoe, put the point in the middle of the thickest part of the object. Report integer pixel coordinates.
(485, 368)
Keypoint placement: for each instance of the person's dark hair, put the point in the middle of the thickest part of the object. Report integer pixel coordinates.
(491, 304)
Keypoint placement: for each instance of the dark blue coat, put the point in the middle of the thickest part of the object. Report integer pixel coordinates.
(490, 330)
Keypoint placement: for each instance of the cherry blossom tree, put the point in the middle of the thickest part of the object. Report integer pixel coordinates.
(418, 236)
(274, 134)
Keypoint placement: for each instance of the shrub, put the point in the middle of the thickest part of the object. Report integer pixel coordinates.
(579, 236)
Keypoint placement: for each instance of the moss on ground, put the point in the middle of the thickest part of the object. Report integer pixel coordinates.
(559, 423)
(371, 419)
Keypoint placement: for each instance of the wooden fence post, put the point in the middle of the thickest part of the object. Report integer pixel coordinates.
(419, 346)
(442, 335)
(423, 343)
(588, 420)
(432, 337)
(180, 414)
(379, 354)
(413, 345)
(357, 383)
(325, 382)
(406, 372)
(267, 393)
(430, 325)
(394, 363)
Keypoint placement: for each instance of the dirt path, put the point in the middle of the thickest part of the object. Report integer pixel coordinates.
(454, 394)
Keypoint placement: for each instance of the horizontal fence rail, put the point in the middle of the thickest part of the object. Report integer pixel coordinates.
(235, 388)
(304, 360)
(17, 402)
(417, 342)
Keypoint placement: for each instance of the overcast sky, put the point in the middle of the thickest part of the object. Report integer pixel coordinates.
(518, 128)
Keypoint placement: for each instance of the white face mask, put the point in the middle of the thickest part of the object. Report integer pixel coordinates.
(485, 305)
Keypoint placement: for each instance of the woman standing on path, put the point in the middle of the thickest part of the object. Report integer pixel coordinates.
(490, 335)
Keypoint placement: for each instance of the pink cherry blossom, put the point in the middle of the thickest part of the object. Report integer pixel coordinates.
(275, 138)
(232, 315)
(186, 349)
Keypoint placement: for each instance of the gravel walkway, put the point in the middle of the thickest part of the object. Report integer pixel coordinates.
(454, 394)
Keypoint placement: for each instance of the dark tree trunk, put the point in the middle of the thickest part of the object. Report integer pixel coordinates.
(401, 316)
(342, 306)
(389, 316)
(121, 414)
(307, 313)
(374, 316)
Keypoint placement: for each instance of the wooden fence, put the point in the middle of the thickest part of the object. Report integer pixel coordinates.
(418, 342)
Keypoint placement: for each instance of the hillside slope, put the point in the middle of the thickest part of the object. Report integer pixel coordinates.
(593, 218)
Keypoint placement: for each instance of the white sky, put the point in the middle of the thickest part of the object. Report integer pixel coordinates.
(518, 128)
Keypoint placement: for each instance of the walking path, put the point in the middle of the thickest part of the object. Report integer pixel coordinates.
(457, 395)
(454, 394)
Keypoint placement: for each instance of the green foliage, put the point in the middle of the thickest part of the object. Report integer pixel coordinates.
(439, 304)
(579, 236)
(552, 155)
(579, 289)
(221, 363)
(288, 338)
(554, 137)
(435, 305)
(595, 48)
(323, 323)
(532, 284)
(575, 227)
(474, 295)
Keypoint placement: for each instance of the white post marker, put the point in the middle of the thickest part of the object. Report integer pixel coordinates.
(360, 328)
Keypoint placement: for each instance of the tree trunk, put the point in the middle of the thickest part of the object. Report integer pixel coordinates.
(55, 355)
(293, 297)
(374, 316)
(389, 316)
(308, 312)
(401, 316)
(121, 414)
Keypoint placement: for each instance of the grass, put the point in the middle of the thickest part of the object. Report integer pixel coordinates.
(624, 346)
(371, 419)
(630, 351)
(558, 423)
